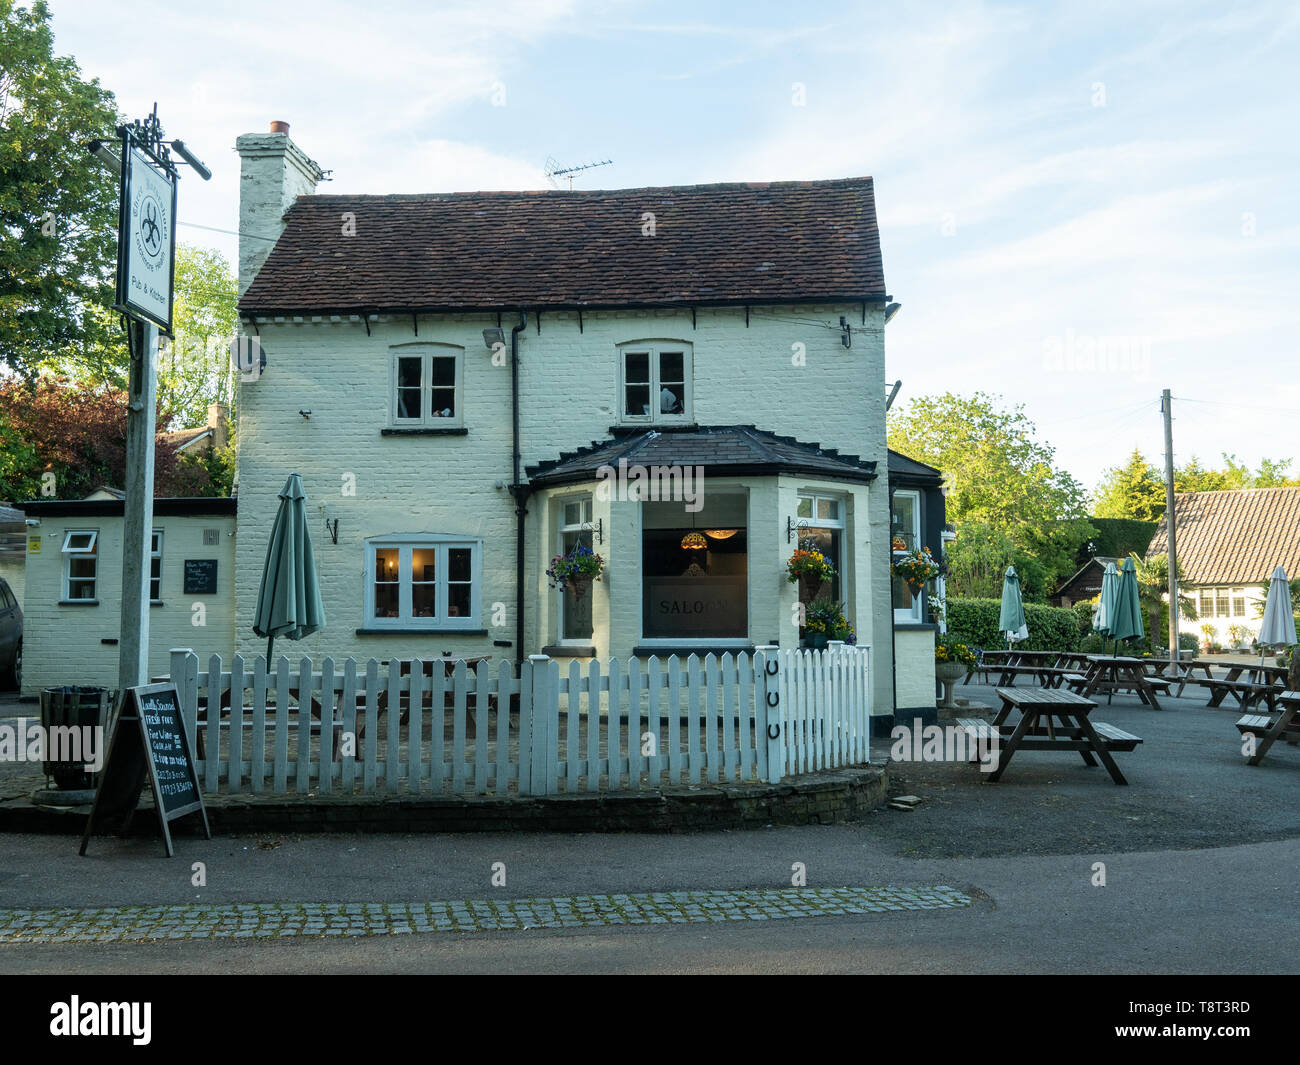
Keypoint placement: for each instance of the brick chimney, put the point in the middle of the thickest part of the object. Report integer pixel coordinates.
(218, 415)
(273, 173)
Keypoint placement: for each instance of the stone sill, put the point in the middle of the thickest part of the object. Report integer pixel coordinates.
(569, 650)
(461, 431)
(421, 632)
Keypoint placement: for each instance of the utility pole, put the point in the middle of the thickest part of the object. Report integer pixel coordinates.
(1166, 408)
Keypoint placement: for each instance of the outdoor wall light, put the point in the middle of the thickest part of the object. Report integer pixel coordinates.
(306, 414)
(494, 336)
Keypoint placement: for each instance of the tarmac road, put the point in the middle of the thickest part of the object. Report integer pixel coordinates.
(1183, 893)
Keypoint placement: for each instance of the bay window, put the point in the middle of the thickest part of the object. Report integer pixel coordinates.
(905, 536)
(575, 528)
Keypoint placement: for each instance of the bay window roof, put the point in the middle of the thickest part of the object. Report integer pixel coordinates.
(723, 451)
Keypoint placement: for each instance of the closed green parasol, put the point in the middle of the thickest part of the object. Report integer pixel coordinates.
(289, 602)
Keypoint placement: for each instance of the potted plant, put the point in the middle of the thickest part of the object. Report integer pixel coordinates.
(824, 621)
(809, 569)
(953, 660)
(916, 568)
(1209, 632)
(576, 570)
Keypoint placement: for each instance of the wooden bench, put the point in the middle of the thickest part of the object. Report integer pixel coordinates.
(1116, 739)
(1268, 731)
(978, 729)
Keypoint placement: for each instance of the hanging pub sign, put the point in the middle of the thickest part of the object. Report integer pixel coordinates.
(146, 235)
(148, 743)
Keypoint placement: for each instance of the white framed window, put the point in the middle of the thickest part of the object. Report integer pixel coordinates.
(424, 581)
(654, 382)
(155, 567)
(426, 386)
(80, 565)
(574, 527)
(905, 536)
(820, 520)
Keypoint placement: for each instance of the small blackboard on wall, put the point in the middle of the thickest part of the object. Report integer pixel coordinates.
(200, 576)
(149, 743)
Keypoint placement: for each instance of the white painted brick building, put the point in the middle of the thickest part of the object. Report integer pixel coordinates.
(661, 318)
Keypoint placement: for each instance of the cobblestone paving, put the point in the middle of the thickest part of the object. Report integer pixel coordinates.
(279, 920)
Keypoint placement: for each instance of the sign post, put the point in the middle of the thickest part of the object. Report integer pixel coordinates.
(146, 261)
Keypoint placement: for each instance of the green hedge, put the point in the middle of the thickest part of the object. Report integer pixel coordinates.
(1120, 537)
(975, 622)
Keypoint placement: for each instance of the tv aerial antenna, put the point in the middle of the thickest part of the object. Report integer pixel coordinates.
(554, 171)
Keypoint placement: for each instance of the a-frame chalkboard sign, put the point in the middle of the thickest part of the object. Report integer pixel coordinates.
(148, 741)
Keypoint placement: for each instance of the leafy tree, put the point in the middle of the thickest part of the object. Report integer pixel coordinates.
(194, 368)
(1009, 501)
(79, 436)
(1134, 490)
(58, 208)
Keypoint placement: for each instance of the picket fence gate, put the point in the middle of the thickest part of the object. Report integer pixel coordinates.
(592, 726)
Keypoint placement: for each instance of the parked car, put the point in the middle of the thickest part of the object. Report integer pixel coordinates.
(11, 638)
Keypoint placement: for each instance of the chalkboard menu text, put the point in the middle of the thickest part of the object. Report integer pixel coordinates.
(148, 743)
(200, 576)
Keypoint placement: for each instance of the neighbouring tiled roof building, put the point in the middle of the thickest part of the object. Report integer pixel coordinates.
(1229, 543)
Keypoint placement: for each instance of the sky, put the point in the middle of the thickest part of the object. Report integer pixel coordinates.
(1079, 204)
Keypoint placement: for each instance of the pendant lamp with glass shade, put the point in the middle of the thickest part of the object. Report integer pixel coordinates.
(721, 534)
(694, 541)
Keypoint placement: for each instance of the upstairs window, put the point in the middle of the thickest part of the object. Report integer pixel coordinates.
(655, 382)
(80, 565)
(426, 387)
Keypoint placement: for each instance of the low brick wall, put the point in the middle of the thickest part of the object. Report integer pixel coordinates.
(817, 798)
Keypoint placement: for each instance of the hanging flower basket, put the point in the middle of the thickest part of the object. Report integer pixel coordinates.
(916, 568)
(576, 570)
(808, 569)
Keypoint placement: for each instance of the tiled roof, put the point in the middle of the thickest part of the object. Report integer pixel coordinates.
(727, 450)
(902, 466)
(737, 243)
(178, 438)
(1234, 537)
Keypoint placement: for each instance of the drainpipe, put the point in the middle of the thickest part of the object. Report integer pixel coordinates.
(519, 490)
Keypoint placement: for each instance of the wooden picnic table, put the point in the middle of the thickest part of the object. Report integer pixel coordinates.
(1258, 674)
(1246, 692)
(1180, 671)
(1110, 674)
(449, 666)
(1036, 729)
(1267, 731)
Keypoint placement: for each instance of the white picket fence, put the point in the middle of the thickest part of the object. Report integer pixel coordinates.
(590, 726)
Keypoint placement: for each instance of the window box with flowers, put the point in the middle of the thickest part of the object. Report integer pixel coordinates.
(575, 571)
